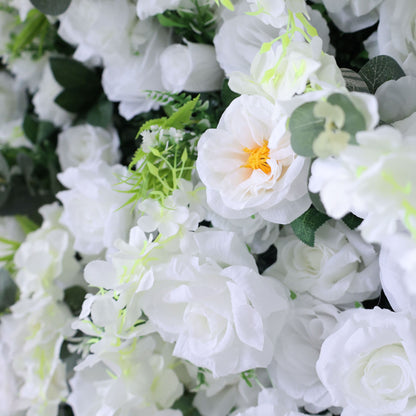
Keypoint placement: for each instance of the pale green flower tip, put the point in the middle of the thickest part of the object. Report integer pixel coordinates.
(330, 143)
(331, 113)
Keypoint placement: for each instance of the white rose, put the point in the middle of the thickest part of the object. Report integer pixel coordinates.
(297, 350)
(248, 165)
(191, 67)
(340, 268)
(44, 103)
(91, 206)
(87, 144)
(368, 363)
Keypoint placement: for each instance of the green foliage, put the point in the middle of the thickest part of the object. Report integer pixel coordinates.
(101, 113)
(82, 86)
(74, 297)
(26, 223)
(51, 7)
(380, 69)
(227, 95)
(184, 404)
(305, 126)
(197, 25)
(8, 290)
(352, 221)
(353, 81)
(307, 224)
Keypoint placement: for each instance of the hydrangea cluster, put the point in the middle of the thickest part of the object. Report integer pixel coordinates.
(207, 208)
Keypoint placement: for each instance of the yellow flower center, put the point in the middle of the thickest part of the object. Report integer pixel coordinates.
(258, 158)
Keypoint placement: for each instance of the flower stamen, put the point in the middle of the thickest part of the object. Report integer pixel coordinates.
(258, 158)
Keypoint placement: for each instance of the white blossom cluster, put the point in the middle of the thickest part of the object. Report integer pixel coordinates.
(177, 304)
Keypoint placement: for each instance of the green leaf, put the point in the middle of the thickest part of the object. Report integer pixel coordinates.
(70, 73)
(101, 113)
(354, 120)
(180, 118)
(307, 224)
(51, 7)
(4, 170)
(37, 131)
(380, 69)
(165, 21)
(75, 100)
(305, 128)
(26, 223)
(227, 95)
(352, 221)
(353, 80)
(74, 298)
(8, 290)
(150, 123)
(184, 404)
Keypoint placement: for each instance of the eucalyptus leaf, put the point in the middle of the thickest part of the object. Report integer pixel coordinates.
(51, 7)
(305, 128)
(353, 81)
(380, 69)
(307, 224)
(8, 290)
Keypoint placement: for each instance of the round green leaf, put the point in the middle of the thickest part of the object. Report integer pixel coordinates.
(51, 7)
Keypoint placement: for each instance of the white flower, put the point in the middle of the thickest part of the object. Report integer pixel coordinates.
(13, 103)
(225, 319)
(352, 15)
(87, 144)
(133, 378)
(23, 6)
(371, 179)
(397, 271)
(191, 67)
(297, 350)
(45, 261)
(44, 103)
(248, 165)
(147, 8)
(341, 268)
(12, 232)
(92, 206)
(9, 386)
(280, 73)
(368, 363)
(127, 77)
(394, 34)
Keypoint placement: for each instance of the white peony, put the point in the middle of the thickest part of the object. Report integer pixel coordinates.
(191, 67)
(368, 363)
(92, 206)
(87, 144)
(341, 268)
(248, 165)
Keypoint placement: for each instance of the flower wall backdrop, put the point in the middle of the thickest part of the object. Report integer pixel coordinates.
(207, 207)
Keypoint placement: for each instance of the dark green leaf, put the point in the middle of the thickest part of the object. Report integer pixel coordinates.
(70, 73)
(76, 100)
(65, 410)
(30, 127)
(51, 7)
(4, 170)
(8, 290)
(352, 220)
(227, 95)
(167, 22)
(184, 404)
(307, 224)
(101, 113)
(353, 80)
(74, 297)
(305, 128)
(317, 203)
(26, 165)
(45, 131)
(380, 69)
